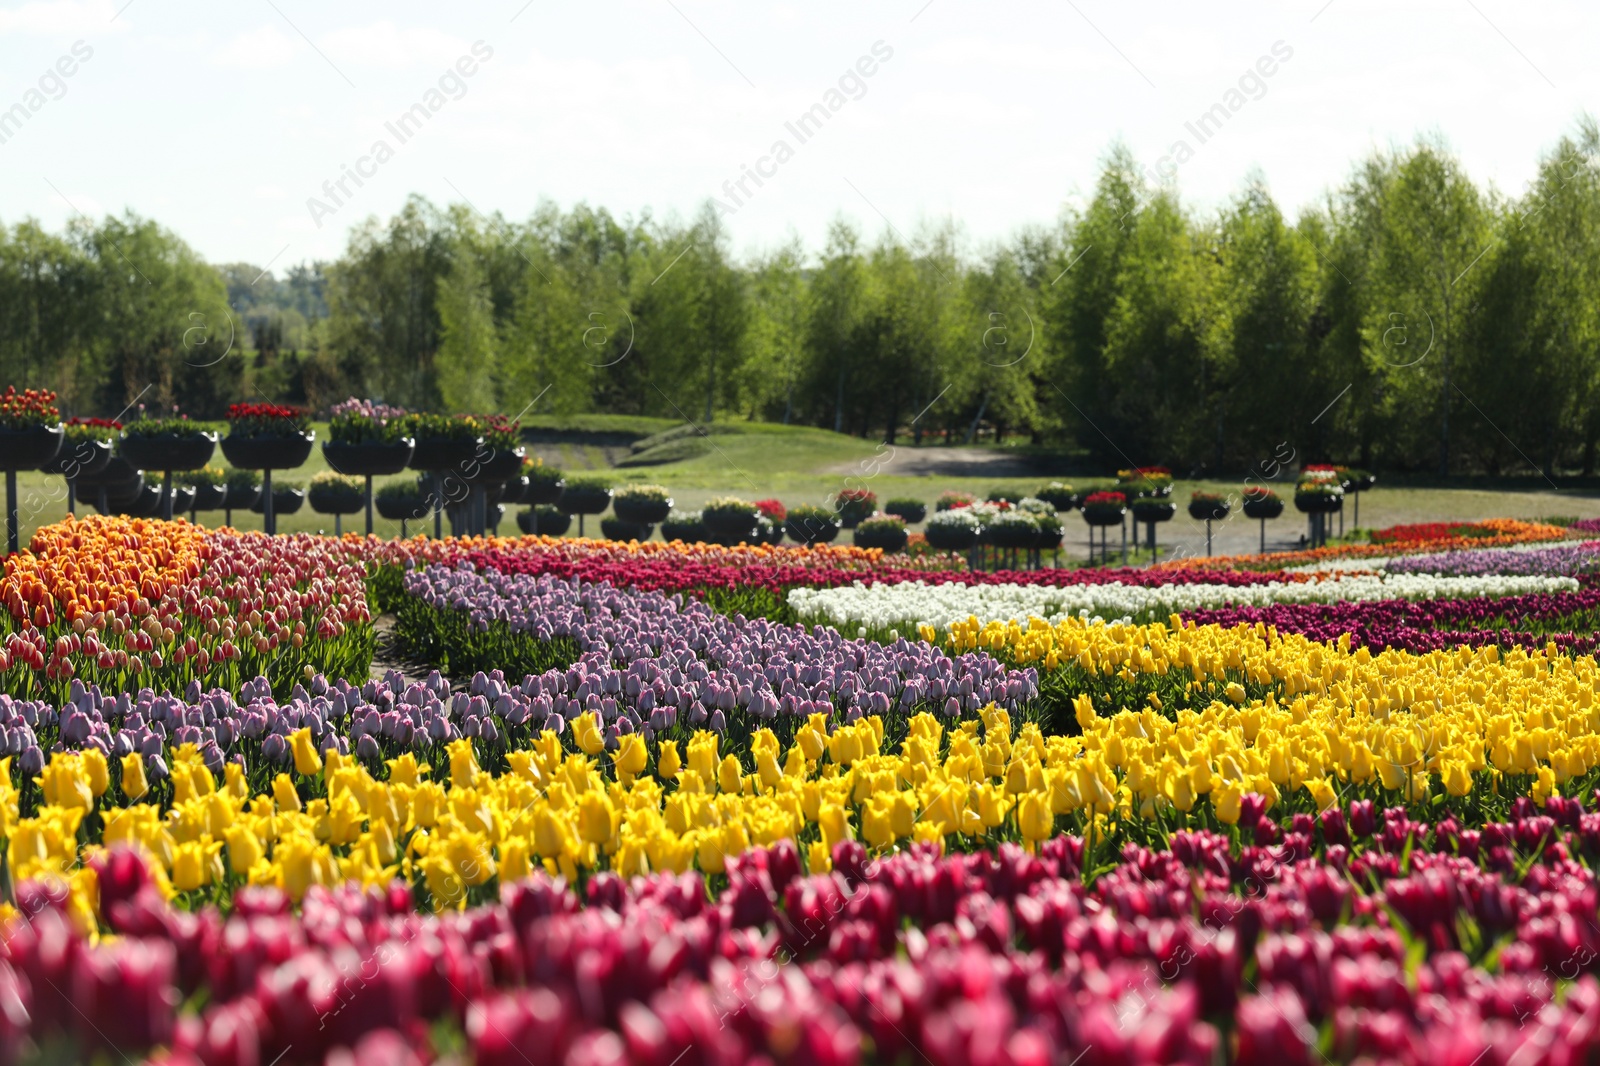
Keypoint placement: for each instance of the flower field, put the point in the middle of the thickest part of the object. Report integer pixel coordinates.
(504, 800)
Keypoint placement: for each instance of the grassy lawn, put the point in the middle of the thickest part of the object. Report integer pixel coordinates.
(800, 464)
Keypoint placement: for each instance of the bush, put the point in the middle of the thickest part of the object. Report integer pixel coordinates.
(855, 506)
(913, 511)
(881, 531)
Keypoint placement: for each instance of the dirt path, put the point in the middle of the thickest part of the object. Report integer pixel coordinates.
(953, 462)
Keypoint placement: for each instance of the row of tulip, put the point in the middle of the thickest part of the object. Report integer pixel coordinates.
(1568, 560)
(655, 657)
(127, 603)
(1570, 620)
(911, 603)
(1490, 533)
(1384, 940)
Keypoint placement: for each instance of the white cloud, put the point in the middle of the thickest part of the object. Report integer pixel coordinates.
(387, 46)
(263, 48)
(63, 16)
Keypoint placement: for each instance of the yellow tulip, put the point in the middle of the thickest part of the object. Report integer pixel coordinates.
(307, 760)
(284, 793)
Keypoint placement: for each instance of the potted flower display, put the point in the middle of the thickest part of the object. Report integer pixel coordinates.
(1145, 481)
(1208, 506)
(770, 518)
(584, 496)
(403, 502)
(729, 519)
(546, 521)
(643, 505)
(210, 488)
(949, 501)
(1012, 530)
(338, 495)
(623, 530)
(86, 449)
(810, 524)
(954, 530)
(854, 506)
(1060, 495)
(367, 440)
(30, 436)
(887, 532)
(545, 482)
(443, 441)
(267, 437)
(1262, 503)
(287, 498)
(913, 511)
(1104, 508)
(683, 525)
(167, 442)
(1355, 482)
(1318, 496)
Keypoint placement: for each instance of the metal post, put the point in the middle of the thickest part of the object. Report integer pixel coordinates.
(1341, 516)
(166, 495)
(369, 505)
(438, 506)
(1124, 540)
(1208, 538)
(1263, 536)
(1355, 520)
(11, 511)
(338, 525)
(268, 521)
(72, 498)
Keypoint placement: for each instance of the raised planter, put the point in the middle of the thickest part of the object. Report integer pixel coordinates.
(169, 451)
(1208, 511)
(620, 529)
(368, 458)
(640, 511)
(182, 499)
(689, 532)
(31, 448)
(240, 497)
(269, 453)
(209, 497)
(1012, 535)
(1148, 510)
(1263, 507)
(146, 503)
(552, 523)
(404, 508)
(328, 500)
(82, 460)
(951, 538)
(501, 465)
(284, 501)
(544, 492)
(1101, 515)
(1317, 503)
(804, 530)
(890, 540)
(514, 491)
(442, 453)
(729, 526)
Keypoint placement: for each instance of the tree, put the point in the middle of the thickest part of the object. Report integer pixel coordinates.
(465, 362)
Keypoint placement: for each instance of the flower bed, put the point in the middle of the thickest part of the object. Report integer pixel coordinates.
(1495, 533)
(910, 603)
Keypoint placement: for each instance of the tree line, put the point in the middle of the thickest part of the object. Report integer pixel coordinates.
(1408, 320)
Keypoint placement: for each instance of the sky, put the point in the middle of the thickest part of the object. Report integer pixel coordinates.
(233, 124)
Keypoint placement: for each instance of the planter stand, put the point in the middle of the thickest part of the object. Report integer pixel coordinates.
(11, 511)
(1208, 538)
(1263, 536)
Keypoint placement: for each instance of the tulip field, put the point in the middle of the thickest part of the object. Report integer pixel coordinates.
(301, 799)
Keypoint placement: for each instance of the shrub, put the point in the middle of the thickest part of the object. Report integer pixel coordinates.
(913, 511)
